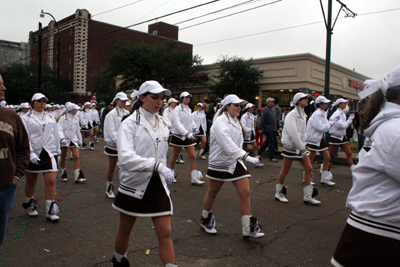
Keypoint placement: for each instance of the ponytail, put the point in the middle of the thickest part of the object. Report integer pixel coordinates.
(372, 108)
(135, 106)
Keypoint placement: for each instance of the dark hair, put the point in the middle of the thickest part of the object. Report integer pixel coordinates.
(276, 99)
(374, 104)
(206, 100)
(212, 98)
(135, 106)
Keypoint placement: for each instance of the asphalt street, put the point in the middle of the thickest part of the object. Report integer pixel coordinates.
(295, 234)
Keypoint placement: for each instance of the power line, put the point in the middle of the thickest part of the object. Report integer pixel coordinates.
(117, 8)
(232, 14)
(152, 11)
(240, 4)
(291, 27)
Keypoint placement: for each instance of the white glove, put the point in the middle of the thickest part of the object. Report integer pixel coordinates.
(304, 153)
(34, 158)
(167, 174)
(190, 136)
(63, 142)
(351, 117)
(253, 160)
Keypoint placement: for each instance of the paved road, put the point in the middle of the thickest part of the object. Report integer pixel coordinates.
(296, 234)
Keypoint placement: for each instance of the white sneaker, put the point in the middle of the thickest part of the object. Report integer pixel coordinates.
(91, 146)
(180, 161)
(52, 210)
(79, 176)
(312, 177)
(208, 222)
(110, 191)
(63, 176)
(202, 157)
(30, 207)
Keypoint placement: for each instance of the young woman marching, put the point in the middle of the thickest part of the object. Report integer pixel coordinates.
(44, 140)
(317, 126)
(24, 108)
(183, 129)
(171, 105)
(199, 117)
(70, 137)
(226, 165)
(85, 120)
(371, 236)
(95, 121)
(338, 130)
(294, 147)
(143, 191)
(111, 126)
(248, 123)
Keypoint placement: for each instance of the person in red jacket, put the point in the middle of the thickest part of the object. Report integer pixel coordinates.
(14, 158)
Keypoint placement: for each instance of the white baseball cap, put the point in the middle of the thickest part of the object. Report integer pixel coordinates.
(249, 105)
(269, 99)
(233, 99)
(321, 99)
(24, 105)
(128, 104)
(47, 105)
(200, 104)
(153, 87)
(135, 95)
(299, 96)
(72, 107)
(38, 96)
(172, 100)
(340, 100)
(185, 94)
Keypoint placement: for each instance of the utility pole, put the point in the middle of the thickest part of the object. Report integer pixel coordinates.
(329, 32)
(40, 58)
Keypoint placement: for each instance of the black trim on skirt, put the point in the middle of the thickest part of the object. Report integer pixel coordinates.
(252, 139)
(175, 141)
(322, 146)
(338, 142)
(110, 151)
(239, 172)
(45, 163)
(155, 199)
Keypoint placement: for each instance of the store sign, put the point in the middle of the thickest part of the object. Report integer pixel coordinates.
(355, 84)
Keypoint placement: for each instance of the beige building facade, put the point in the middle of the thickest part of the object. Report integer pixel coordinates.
(284, 76)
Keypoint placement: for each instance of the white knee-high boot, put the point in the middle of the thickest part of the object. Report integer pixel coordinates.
(251, 227)
(195, 177)
(309, 193)
(52, 210)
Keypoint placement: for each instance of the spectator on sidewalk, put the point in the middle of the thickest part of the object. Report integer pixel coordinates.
(269, 124)
(14, 158)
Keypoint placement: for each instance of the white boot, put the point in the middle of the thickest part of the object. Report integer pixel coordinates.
(326, 178)
(208, 222)
(321, 169)
(30, 206)
(175, 175)
(309, 193)
(196, 176)
(79, 176)
(110, 190)
(52, 210)
(171, 265)
(280, 193)
(251, 227)
(201, 154)
(312, 177)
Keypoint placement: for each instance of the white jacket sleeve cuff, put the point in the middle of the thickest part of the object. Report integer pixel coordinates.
(158, 167)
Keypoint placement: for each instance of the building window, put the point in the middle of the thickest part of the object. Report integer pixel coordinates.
(69, 61)
(69, 75)
(155, 32)
(70, 46)
(70, 31)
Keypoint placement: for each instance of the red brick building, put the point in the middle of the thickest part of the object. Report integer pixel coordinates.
(86, 45)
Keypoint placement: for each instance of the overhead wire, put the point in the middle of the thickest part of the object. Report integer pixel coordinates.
(117, 8)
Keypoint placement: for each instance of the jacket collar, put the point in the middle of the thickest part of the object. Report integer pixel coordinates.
(230, 120)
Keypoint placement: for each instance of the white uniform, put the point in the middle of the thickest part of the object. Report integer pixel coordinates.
(167, 114)
(248, 120)
(226, 141)
(85, 120)
(294, 131)
(111, 125)
(182, 122)
(69, 130)
(374, 197)
(95, 117)
(317, 126)
(43, 134)
(199, 118)
(339, 125)
(141, 152)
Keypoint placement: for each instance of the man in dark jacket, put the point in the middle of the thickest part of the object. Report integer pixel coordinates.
(14, 159)
(269, 124)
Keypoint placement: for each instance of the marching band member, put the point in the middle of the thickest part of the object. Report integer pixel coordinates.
(226, 165)
(199, 117)
(85, 120)
(143, 191)
(24, 109)
(371, 236)
(95, 122)
(317, 126)
(171, 105)
(338, 130)
(70, 137)
(294, 147)
(248, 123)
(183, 129)
(44, 140)
(111, 125)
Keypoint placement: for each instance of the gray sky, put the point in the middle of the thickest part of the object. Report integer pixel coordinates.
(368, 43)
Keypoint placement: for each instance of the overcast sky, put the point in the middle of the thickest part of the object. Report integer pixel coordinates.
(369, 43)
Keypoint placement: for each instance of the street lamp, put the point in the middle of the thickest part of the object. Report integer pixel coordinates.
(42, 13)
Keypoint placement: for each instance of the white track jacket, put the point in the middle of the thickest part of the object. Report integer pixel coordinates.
(199, 118)
(248, 120)
(68, 128)
(294, 131)
(111, 125)
(226, 141)
(340, 125)
(43, 134)
(182, 122)
(317, 126)
(141, 151)
(375, 195)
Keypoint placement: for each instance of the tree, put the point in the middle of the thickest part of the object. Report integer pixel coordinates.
(237, 76)
(166, 63)
(22, 82)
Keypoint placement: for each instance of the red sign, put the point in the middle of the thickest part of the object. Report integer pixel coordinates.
(355, 84)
